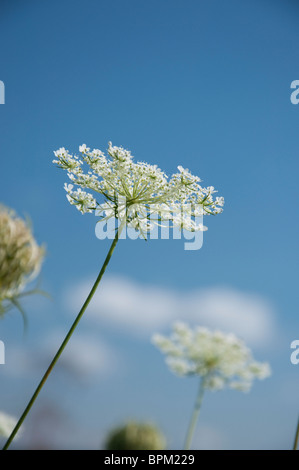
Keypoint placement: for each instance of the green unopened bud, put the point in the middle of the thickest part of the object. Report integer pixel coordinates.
(135, 436)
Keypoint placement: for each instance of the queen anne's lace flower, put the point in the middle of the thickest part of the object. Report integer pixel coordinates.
(138, 193)
(20, 257)
(221, 360)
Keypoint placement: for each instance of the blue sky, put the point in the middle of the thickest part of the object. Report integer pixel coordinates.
(201, 84)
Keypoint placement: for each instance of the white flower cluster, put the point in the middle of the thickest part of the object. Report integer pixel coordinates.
(222, 360)
(135, 192)
(7, 424)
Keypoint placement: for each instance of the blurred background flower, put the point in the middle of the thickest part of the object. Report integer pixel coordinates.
(20, 258)
(135, 436)
(219, 359)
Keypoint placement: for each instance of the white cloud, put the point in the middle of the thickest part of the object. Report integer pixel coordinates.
(83, 357)
(144, 309)
(248, 315)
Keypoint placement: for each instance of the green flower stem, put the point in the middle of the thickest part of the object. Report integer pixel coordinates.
(296, 441)
(66, 339)
(194, 416)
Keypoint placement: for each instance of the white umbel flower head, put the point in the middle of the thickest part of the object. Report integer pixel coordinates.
(7, 424)
(139, 194)
(221, 360)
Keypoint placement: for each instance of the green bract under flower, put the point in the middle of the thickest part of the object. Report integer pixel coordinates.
(138, 193)
(20, 257)
(222, 360)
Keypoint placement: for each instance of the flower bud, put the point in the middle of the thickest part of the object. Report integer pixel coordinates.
(20, 256)
(135, 436)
